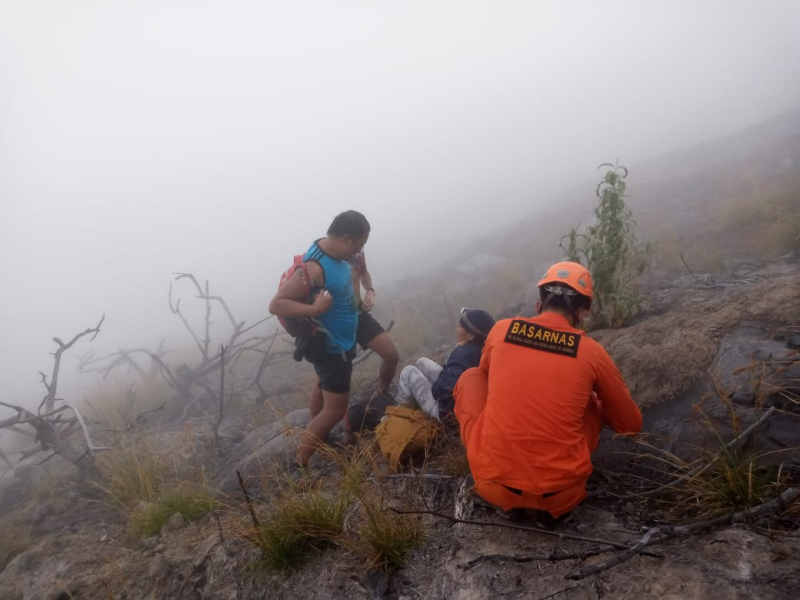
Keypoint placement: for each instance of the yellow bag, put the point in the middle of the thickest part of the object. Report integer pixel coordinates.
(404, 431)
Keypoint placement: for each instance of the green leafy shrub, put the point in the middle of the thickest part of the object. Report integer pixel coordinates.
(610, 250)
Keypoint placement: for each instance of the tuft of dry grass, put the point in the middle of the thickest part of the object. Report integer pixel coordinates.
(301, 523)
(148, 487)
(132, 474)
(190, 501)
(345, 509)
(387, 538)
(15, 538)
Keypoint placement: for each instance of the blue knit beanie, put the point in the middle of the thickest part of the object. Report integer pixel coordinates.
(478, 322)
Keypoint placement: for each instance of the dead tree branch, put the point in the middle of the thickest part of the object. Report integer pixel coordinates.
(552, 557)
(50, 430)
(221, 398)
(548, 532)
(736, 442)
(618, 559)
(52, 386)
(193, 383)
(175, 309)
(657, 535)
(256, 524)
(89, 444)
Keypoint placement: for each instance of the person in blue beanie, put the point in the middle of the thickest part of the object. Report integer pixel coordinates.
(428, 383)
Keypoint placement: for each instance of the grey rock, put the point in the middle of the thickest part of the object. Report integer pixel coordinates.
(175, 522)
(744, 397)
(40, 513)
(272, 441)
(158, 567)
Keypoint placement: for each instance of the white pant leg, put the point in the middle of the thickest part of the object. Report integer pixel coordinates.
(414, 385)
(430, 368)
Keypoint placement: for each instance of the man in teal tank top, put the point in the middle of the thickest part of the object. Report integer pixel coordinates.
(335, 309)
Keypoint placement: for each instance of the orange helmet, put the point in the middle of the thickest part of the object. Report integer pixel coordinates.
(571, 274)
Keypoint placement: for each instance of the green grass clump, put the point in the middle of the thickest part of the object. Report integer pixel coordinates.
(301, 523)
(738, 481)
(191, 503)
(389, 537)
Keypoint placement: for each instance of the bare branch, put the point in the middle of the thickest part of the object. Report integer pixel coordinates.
(733, 444)
(256, 324)
(618, 559)
(125, 355)
(20, 411)
(89, 444)
(225, 307)
(551, 557)
(778, 504)
(207, 339)
(46, 458)
(175, 308)
(22, 432)
(49, 399)
(192, 278)
(221, 397)
(558, 534)
(10, 422)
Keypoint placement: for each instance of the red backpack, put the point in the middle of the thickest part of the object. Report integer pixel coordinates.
(298, 327)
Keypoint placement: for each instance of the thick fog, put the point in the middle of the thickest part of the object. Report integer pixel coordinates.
(142, 138)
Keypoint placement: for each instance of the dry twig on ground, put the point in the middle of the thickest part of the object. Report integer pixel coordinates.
(656, 535)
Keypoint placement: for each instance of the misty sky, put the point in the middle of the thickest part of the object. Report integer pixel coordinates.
(141, 138)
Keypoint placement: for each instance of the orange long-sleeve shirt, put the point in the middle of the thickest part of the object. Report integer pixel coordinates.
(541, 374)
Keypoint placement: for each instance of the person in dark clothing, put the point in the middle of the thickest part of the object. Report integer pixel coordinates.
(335, 310)
(430, 384)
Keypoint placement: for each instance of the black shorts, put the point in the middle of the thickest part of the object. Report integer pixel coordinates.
(334, 371)
(368, 329)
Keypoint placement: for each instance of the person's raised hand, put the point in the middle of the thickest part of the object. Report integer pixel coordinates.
(369, 300)
(322, 303)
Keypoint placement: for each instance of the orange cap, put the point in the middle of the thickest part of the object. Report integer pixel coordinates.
(570, 273)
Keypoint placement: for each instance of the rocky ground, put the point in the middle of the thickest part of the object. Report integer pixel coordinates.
(700, 335)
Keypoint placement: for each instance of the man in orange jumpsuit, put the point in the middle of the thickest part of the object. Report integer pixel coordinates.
(532, 411)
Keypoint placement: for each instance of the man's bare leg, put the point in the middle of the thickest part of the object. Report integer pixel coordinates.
(384, 347)
(334, 407)
(315, 405)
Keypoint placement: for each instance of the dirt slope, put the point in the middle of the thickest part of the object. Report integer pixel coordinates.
(82, 550)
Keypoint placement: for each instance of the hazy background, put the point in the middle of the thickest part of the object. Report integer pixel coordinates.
(142, 138)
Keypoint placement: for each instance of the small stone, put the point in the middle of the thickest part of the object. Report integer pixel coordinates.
(780, 551)
(158, 567)
(175, 522)
(40, 513)
(743, 397)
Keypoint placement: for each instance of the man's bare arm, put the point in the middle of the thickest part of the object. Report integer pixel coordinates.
(288, 301)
